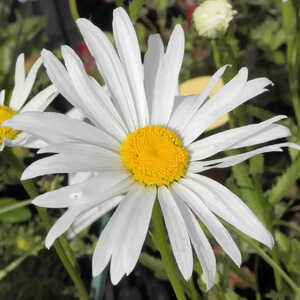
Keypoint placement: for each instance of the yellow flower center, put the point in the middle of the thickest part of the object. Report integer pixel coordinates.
(6, 132)
(154, 155)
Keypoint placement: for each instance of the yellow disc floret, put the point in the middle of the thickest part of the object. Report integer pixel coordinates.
(6, 132)
(154, 155)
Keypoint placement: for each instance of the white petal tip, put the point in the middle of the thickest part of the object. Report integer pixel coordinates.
(48, 242)
(115, 281)
(26, 175)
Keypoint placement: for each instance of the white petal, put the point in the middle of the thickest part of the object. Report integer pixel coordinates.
(60, 78)
(166, 86)
(110, 67)
(129, 52)
(187, 108)
(70, 163)
(103, 93)
(136, 211)
(42, 100)
(58, 128)
(26, 140)
(30, 79)
(62, 225)
(16, 100)
(200, 243)
(75, 113)
(87, 218)
(228, 206)
(236, 159)
(79, 177)
(137, 227)
(111, 184)
(237, 137)
(97, 112)
(153, 57)
(210, 221)
(2, 97)
(78, 148)
(110, 240)
(182, 112)
(177, 232)
(222, 102)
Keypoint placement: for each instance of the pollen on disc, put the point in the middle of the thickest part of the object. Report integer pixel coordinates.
(6, 132)
(154, 155)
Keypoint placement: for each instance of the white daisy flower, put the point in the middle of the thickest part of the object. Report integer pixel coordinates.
(21, 91)
(143, 145)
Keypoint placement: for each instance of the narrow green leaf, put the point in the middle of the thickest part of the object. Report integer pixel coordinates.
(257, 164)
(259, 112)
(285, 182)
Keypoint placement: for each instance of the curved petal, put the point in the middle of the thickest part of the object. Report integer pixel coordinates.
(200, 243)
(110, 240)
(42, 100)
(62, 225)
(30, 79)
(225, 162)
(167, 78)
(111, 184)
(137, 227)
(87, 218)
(153, 58)
(238, 137)
(185, 111)
(26, 140)
(70, 163)
(130, 55)
(233, 94)
(58, 128)
(16, 99)
(98, 111)
(111, 69)
(136, 213)
(228, 206)
(177, 232)
(210, 221)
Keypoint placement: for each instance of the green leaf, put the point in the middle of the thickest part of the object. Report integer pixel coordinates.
(135, 7)
(285, 182)
(294, 257)
(257, 164)
(18, 215)
(259, 113)
(282, 241)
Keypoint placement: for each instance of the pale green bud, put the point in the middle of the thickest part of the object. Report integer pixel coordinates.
(212, 17)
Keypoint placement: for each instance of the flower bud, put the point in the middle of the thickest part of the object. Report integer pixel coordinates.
(212, 17)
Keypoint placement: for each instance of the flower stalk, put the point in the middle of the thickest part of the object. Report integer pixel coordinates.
(159, 235)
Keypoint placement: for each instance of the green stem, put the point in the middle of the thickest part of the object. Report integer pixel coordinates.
(74, 10)
(269, 261)
(160, 240)
(277, 276)
(60, 245)
(15, 206)
(193, 292)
